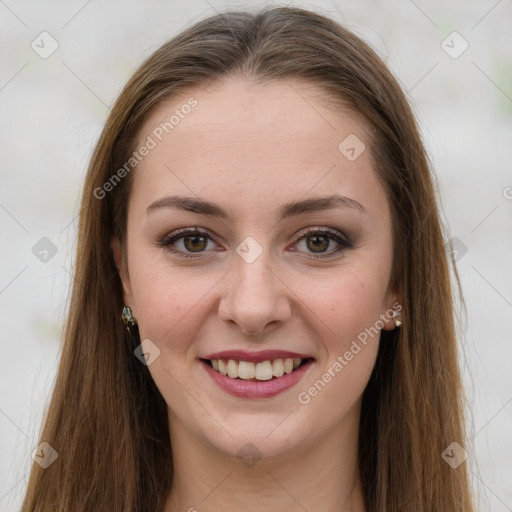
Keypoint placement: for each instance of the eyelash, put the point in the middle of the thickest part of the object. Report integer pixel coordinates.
(332, 234)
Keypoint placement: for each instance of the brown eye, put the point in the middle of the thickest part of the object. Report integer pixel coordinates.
(317, 243)
(188, 243)
(195, 243)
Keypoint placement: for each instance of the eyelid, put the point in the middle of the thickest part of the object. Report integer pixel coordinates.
(324, 230)
(183, 232)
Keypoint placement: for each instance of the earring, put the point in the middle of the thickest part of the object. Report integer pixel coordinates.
(395, 318)
(127, 317)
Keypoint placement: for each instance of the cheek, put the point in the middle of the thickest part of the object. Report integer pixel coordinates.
(345, 315)
(344, 304)
(170, 303)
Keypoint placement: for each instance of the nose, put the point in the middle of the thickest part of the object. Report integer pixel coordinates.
(255, 297)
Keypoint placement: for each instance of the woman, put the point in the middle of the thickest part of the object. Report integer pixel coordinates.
(260, 209)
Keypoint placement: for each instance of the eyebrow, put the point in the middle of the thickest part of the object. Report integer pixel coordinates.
(291, 209)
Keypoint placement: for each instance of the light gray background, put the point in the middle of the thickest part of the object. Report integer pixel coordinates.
(52, 111)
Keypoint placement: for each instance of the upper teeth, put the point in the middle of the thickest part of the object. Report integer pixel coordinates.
(260, 371)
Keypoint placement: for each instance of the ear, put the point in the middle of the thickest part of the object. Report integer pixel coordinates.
(392, 303)
(122, 267)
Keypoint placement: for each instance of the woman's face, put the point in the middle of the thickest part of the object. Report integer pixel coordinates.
(274, 274)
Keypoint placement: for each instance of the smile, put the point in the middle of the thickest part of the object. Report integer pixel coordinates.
(256, 375)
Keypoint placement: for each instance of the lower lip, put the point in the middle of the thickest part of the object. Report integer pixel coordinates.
(257, 389)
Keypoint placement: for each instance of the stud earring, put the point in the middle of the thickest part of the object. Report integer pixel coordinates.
(127, 317)
(395, 318)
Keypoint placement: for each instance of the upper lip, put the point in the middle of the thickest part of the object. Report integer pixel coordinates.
(256, 357)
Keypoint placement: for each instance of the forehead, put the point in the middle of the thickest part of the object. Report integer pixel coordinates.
(237, 107)
(274, 139)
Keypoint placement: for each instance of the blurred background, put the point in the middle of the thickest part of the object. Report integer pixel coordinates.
(64, 63)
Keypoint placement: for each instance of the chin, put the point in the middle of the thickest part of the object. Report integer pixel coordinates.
(260, 435)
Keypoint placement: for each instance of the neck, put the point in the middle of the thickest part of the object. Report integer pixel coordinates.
(326, 470)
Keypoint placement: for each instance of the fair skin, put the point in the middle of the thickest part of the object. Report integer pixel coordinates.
(250, 149)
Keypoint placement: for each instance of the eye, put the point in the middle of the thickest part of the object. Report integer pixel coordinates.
(318, 240)
(191, 242)
(194, 242)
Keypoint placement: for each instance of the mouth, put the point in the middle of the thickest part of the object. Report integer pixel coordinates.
(268, 370)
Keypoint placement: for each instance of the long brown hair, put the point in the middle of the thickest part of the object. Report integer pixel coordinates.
(108, 421)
